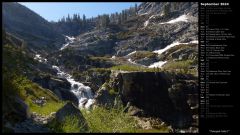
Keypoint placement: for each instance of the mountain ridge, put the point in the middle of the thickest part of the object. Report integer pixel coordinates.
(37, 31)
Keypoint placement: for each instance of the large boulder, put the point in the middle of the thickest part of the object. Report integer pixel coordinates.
(133, 110)
(149, 92)
(104, 98)
(70, 110)
(29, 126)
(156, 93)
(55, 83)
(60, 86)
(50, 82)
(146, 61)
(21, 108)
(68, 95)
(17, 111)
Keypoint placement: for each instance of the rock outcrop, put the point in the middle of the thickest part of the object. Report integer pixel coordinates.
(70, 110)
(104, 98)
(156, 94)
(28, 126)
(21, 108)
(60, 86)
(23, 123)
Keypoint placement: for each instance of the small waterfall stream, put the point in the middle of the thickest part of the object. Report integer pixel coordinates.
(82, 92)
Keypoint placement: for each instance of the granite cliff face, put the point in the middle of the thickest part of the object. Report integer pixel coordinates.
(155, 26)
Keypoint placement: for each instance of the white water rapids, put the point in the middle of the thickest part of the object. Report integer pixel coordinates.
(82, 92)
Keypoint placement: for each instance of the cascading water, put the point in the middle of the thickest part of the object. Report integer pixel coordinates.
(82, 92)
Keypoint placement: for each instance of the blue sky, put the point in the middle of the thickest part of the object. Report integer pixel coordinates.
(52, 11)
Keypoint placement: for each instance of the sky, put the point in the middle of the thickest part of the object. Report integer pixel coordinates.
(52, 11)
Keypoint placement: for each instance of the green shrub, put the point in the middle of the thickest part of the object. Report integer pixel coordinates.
(112, 120)
(178, 64)
(100, 58)
(112, 92)
(143, 54)
(100, 70)
(182, 66)
(134, 68)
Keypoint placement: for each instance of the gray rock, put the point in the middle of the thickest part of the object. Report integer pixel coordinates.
(146, 61)
(104, 98)
(21, 108)
(60, 87)
(51, 82)
(155, 94)
(29, 126)
(69, 110)
(134, 111)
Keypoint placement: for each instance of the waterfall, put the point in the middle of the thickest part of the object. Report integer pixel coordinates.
(82, 92)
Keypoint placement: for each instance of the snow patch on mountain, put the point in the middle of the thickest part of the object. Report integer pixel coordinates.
(158, 64)
(69, 40)
(160, 51)
(166, 48)
(113, 57)
(194, 42)
(151, 17)
(131, 53)
(143, 14)
(130, 60)
(182, 18)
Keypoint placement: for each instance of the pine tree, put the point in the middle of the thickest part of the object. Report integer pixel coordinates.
(62, 20)
(120, 18)
(123, 16)
(84, 18)
(112, 18)
(78, 18)
(98, 24)
(136, 9)
(107, 20)
(68, 19)
(75, 19)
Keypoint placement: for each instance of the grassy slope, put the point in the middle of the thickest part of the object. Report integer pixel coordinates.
(15, 63)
